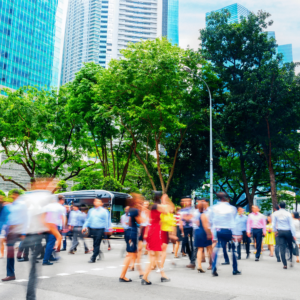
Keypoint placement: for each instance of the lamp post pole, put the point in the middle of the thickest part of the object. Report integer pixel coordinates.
(211, 183)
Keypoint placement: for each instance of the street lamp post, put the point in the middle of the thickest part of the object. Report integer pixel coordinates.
(187, 69)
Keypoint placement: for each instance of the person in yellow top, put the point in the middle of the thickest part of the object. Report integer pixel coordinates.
(167, 226)
(270, 236)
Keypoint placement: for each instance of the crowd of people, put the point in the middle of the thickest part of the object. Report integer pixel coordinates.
(201, 231)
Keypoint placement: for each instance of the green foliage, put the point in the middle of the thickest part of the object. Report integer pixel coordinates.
(21, 192)
(2, 193)
(61, 187)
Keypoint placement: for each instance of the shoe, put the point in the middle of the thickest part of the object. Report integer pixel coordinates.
(48, 263)
(176, 257)
(215, 274)
(191, 266)
(86, 251)
(236, 273)
(209, 268)
(200, 270)
(91, 261)
(285, 267)
(109, 249)
(123, 280)
(248, 255)
(256, 259)
(54, 259)
(278, 260)
(64, 249)
(163, 279)
(9, 278)
(71, 252)
(225, 263)
(141, 276)
(22, 259)
(183, 254)
(144, 282)
(238, 258)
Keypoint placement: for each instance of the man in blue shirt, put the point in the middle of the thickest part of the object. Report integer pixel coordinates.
(97, 221)
(241, 230)
(76, 221)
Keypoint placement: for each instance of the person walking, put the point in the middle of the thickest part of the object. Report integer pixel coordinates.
(277, 248)
(284, 228)
(203, 235)
(241, 225)
(15, 229)
(97, 222)
(223, 216)
(3, 226)
(177, 218)
(270, 236)
(131, 234)
(186, 227)
(257, 224)
(76, 221)
(153, 238)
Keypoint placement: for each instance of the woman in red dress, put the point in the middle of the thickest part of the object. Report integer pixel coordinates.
(154, 240)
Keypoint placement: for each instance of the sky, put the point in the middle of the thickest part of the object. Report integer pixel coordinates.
(284, 13)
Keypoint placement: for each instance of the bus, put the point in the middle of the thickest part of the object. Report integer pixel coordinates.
(113, 201)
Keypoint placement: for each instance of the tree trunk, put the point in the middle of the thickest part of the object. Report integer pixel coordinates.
(162, 183)
(245, 182)
(113, 157)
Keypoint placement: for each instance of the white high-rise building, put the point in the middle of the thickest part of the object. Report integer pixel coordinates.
(96, 30)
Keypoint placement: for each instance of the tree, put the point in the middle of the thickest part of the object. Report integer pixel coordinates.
(2, 193)
(150, 96)
(259, 115)
(37, 134)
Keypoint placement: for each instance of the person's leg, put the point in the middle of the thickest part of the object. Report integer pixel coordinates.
(20, 250)
(163, 255)
(217, 247)
(1, 247)
(191, 244)
(176, 249)
(49, 247)
(247, 242)
(138, 258)
(290, 239)
(10, 267)
(239, 250)
(35, 242)
(258, 242)
(199, 257)
(271, 250)
(282, 243)
(152, 257)
(234, 260)
(224, 243)
(129, 257)
(97, 241)
(277, 249)
(75, 239)
(185, 243)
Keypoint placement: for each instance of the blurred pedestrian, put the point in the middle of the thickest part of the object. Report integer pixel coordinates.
(203, 236)
(76, 221)
(177, 218)
(284, 228)
(270, 236)
(131, 234)
(257, 224)
(241, 226)
(295, 216)
(97, 222)
(223, 216)
(153, 237)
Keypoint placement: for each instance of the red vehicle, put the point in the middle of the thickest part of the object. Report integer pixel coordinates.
(113, 201)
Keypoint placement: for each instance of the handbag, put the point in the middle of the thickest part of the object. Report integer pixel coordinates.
(295, 249)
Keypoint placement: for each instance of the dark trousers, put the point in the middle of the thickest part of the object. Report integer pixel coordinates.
(77, 234)
(97, 235)
(188, 244)
(33, 241)
(277, 249)
(285, 238)
(12, 238)
(246, 241)
(224, 236)
(23, 251)
(49, 247)
(257, 235)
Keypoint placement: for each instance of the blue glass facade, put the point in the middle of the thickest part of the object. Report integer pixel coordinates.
(29, 40)
(170, 20)
(236, 11)
(287, 51)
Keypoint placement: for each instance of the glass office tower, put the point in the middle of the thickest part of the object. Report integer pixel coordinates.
(97, 30)
(287, 51)
(30, 39)
(236, 11)
(170, 20)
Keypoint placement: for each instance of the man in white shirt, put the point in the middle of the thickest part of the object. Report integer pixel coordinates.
(284, 228)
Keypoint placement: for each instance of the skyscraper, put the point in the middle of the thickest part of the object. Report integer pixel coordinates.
(30, 37)
(96, 30)
(170, 20)
(287, 52)
(236, 11)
